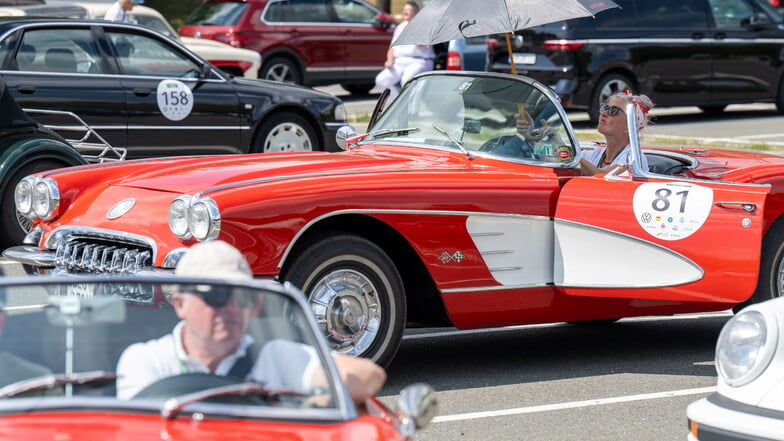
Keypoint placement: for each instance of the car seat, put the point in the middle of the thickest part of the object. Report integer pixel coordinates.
(60, 60)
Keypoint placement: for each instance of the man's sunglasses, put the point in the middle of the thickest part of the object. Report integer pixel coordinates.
(611, 110)
(218, 296)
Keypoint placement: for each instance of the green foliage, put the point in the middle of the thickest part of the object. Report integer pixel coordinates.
(174, 11)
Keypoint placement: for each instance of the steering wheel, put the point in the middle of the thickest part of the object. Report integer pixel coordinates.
(185, 384)
(508, 145)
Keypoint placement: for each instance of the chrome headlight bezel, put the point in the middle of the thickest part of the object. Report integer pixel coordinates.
(204, 220)
(194, 217)
(45, 198)
(341, 114)
(179, 212)
(23, 196)
(745, 347)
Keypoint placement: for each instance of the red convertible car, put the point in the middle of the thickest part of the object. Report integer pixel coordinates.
(91, 357)
(431, 218)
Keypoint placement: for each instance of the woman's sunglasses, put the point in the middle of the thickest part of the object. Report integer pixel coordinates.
(611, 110)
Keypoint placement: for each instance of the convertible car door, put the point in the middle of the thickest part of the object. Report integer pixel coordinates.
(658, 239)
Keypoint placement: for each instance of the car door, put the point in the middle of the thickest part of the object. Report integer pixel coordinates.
(673, 51)
(658, 239)
(747, 51)
(173, 108)
(365, 41)
(64, 68)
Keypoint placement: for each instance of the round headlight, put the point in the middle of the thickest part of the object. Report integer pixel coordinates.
(23, 196)
(204, 220)
(46, 198)
(178, 217)
(745, 347)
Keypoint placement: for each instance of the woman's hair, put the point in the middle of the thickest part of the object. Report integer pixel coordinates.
(642, 105)
(414, 5)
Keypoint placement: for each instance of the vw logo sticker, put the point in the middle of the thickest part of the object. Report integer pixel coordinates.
(120, 208)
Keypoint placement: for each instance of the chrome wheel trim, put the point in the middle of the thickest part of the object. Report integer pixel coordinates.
(780, 277)
(612, 87)
(347, 309)
(288, 137)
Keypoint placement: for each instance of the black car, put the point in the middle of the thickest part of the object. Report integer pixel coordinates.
(149, 94)
(706, 53)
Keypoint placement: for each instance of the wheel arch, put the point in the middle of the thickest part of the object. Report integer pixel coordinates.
(424, 304)
(30, 150)
(299, 111)
(287, 53)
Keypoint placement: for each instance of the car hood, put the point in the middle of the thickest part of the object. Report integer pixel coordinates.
(199, 174)
(101, 425)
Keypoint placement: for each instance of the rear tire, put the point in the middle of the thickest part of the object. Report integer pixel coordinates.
(285, 132)
(281, 69)
(770, 283)
(356, 294)
(15, 225)
(607, 86)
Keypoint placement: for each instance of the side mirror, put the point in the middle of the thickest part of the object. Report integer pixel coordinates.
(760, 20)
(415, 408)
(343, 135)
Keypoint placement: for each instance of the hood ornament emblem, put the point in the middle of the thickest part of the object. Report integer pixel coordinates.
(120, 208)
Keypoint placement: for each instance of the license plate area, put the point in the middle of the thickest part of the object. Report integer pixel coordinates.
(524, 58)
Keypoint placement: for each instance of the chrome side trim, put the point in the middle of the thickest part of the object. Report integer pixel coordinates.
(391, 211)
(494, 288)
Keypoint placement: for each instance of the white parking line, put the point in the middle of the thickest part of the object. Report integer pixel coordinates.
(572, 405)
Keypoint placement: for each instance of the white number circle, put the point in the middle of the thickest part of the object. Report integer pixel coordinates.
(672, 210)
(175, 99)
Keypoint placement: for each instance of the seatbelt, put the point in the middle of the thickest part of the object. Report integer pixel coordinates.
(244, 364)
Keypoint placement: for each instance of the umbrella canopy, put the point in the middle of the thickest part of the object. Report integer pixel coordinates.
(444, 20)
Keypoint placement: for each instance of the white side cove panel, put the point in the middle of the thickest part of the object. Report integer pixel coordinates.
(592, 257)
(518, 250)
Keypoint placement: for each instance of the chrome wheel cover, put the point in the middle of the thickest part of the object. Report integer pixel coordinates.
(288, 137)
(347, 310)
(779, 278)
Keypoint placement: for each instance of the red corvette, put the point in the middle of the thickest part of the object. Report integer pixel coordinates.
(432, 218)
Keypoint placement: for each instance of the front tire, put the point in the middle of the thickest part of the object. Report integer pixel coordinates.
(771, 276)
(356, 294)
(285, 132)
(607, 86)
(15, 225)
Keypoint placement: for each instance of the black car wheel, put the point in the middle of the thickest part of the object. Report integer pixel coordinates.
(356, 294)
(285, 132)
(607, 86)
(15, 225)
(281, 69)
(358, 89)
(770, 283)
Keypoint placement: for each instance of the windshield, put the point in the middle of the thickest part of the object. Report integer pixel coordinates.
(217, 14)
(132, 344)
(479, 113)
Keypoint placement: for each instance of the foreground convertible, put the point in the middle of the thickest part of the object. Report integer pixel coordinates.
(432, 219)
(70, 345)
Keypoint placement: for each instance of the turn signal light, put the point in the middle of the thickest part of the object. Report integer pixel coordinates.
(453, 61)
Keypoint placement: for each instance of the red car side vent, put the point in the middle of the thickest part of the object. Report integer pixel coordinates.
(564, 45)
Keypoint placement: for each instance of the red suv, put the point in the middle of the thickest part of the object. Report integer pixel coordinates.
(309, 42)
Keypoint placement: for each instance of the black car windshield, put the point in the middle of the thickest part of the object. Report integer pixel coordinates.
(217, 14)
(122, 343)
(480, 114)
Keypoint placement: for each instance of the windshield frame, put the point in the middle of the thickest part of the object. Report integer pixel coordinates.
(343, 409)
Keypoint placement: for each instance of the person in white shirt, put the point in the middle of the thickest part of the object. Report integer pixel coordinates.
(612, 124)
(120, 9)
(404, 61)
(211, 338)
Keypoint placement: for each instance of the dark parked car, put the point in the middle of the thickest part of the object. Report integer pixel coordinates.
(311, 42)
(144, 92)
(708, 53)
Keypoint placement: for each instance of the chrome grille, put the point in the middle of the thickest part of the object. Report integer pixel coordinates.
(84, 255)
